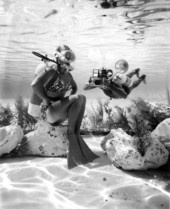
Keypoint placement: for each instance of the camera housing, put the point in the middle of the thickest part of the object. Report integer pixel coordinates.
(98, 76)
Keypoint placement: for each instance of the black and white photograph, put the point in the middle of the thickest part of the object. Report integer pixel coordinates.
(84, 104)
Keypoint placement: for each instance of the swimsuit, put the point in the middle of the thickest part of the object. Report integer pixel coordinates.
(60, 87)
(57, 88)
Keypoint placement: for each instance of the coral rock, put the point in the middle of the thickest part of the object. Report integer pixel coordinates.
(10, 137)
(124, 152)
(162, 132)
(47, 140)
(160, 111)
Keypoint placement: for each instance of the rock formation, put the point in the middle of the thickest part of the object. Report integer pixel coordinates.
(162, 132)
(133, 153)
(47, 140)
(10, 137)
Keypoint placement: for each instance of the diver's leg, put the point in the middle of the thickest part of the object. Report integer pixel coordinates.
(134, 72)
(137, 82)
(75, 155)
(58, 111)
(89, 155)
(81, 113)
(68, 108)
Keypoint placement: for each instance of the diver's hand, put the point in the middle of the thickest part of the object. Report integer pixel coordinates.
(44, 106)
(46, 61)
(104, 87)
(105, 83)
(46, 102)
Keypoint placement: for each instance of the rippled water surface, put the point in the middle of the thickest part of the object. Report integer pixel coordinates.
(138, 31)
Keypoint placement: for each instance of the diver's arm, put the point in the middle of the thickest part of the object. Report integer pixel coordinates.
(73, 85)
(39, 82)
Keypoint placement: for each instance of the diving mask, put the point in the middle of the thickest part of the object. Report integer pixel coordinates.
(65, 56)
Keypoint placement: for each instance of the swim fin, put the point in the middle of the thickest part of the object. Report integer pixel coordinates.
(88, 154)
(79, 152)
(75, 156)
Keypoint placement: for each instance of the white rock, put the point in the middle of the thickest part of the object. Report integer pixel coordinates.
(156, 154)
(47, 140)
(123, 151)
(10, 137)
(122, 156)
(162, 132)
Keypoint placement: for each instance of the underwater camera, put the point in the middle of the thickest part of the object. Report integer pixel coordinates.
(99, 75)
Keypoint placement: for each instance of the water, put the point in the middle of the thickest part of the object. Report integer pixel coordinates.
(138, 32)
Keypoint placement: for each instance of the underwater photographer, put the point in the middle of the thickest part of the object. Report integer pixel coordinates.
(101, 78)
(116, 85)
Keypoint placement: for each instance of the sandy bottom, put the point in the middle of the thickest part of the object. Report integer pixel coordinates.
(46, 183)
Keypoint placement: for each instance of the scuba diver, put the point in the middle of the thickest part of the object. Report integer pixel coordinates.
(49, 91)
(118, 85)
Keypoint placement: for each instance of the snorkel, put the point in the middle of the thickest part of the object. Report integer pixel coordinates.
(63, 59)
